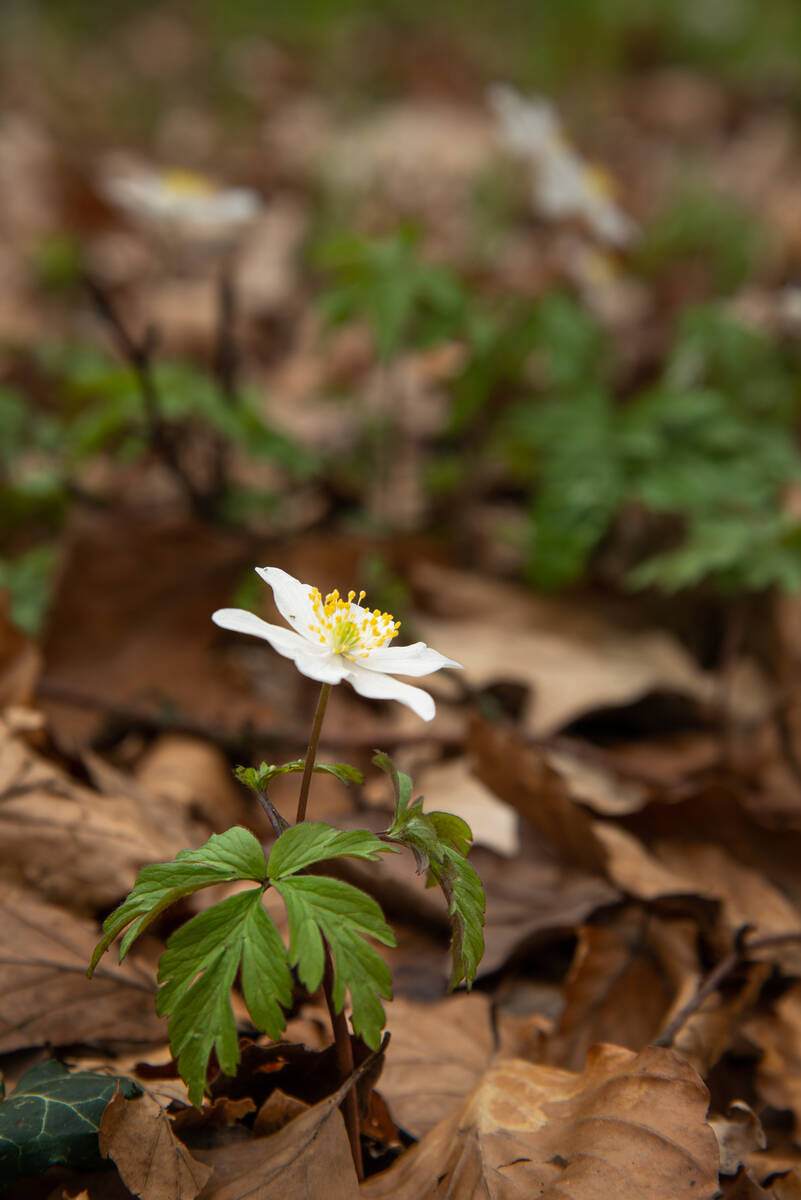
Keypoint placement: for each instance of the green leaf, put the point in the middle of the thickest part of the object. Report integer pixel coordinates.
(53, 1116)
(452, 831)
(440, 841)
(257, 778)
(235, 854)
(314, 841)
(197, 972)
(401, 783)
(466, 905)
(319, 908)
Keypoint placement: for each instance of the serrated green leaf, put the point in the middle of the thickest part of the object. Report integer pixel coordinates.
(197, 972)
(235, 854)
(257, 778)
(53, 1116)
(452, 830)
(402, 784)
(319, 908)
(466, 905)
(314, 841)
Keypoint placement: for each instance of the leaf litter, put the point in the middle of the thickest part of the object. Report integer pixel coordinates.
(636, 1028)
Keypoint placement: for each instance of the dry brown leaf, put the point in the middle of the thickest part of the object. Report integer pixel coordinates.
(20, 661)
(45, 997)
(73, 846)
(309, 1158)
(137, 1136)
(630, 1126)
(276, 1112)
(438, 1053)
(778, 1036)
(616, 988)
(710, 1031)
(190, 776)
(739, 1134)
(134, 637)
(452, 787)
(574, 661)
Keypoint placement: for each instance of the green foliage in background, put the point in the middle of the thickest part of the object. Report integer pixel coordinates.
(702, 227)
(713, 443)
(90, 406)
(407, 301)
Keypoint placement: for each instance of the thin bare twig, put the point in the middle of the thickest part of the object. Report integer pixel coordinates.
(138, 353)
(738, 957)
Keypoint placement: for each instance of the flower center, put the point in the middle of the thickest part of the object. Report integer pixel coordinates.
(187, 183)
(347, 628)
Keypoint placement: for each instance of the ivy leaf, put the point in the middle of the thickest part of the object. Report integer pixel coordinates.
(257, 778)
(314, 841)
(235, 854)
(53, 1116)
(197, 972)
(319, 907)
(440, 842)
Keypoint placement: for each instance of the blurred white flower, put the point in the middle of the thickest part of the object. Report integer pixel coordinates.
(184, 200)
(564, 185)
(334, 639)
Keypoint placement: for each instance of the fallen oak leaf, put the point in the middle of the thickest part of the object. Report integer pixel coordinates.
(629, 1126)
(136, 1134)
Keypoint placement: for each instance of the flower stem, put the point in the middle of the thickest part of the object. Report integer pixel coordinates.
(342, 1047)
(344, 1057)
(311, 753)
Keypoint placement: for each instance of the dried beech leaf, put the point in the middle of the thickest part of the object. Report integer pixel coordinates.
(573, 660)
(739, 1134)
(308, 1159)
(439, 1052)
(630, 1127)
(137, 1135)
(45, 997)
(71, 844)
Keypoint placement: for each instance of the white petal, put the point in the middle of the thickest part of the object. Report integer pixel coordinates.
(325, 668)
(418, 659)
(291, 598)
(241, 621)
(383, 687)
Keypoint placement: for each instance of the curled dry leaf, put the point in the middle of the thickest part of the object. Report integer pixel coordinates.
(630, 1126)
(616, 969)
(308, 1159)
(137, 1135)
(45, 997)
(739, 1134)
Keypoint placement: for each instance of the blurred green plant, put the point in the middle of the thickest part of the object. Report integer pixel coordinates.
(702, 226)
(407, 301)
(89, 406)
(712, 444)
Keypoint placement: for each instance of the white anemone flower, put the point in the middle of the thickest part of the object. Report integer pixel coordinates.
(334, 639)
(185, 199)
(564, 185)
